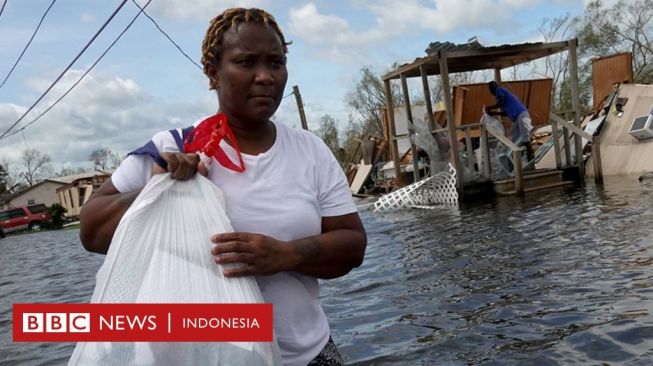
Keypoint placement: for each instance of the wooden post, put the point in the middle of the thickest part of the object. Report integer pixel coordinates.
(427, 97)
(519, 174)
(451, 123)
(575, 102)
(392, 140)
(470, 151)
(411, 128)
(429, 107)
(596, 159)
(556, 143)
(300, 106)
(565, 134)
(497, 78)
(485, 153)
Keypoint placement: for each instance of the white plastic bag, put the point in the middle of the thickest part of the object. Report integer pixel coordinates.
(500, 155)
(160, 253)
(490, 121)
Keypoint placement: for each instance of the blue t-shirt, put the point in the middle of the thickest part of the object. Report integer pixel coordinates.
(511, 105)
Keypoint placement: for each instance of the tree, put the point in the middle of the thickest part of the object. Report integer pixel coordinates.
(328, 132)
(368, 99)
(349, 140)
(104, 159)
(13, 179)
(459, 78)
(57, 213)
(115, 159)
(69, 171)
(557, 66)
(627, 26)
(3, 179)
(36, 166)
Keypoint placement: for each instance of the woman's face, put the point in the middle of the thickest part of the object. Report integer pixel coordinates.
(251, 75)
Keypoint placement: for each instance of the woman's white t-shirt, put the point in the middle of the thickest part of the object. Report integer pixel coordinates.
(283, 193)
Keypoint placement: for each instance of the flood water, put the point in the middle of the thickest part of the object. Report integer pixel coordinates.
(563, 277)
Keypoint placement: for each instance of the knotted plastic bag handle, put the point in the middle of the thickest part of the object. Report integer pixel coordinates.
(206, 138)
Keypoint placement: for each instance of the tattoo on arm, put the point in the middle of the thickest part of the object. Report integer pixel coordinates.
(308, 249)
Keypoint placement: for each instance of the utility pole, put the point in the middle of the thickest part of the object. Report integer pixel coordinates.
(300, 107)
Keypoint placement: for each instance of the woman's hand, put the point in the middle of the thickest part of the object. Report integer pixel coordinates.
(335, 252)
(259, 254)
(181, 166)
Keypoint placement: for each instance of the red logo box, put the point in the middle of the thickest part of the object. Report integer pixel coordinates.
(142, 323)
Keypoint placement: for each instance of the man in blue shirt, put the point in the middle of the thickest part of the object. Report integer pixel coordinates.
(512, 107)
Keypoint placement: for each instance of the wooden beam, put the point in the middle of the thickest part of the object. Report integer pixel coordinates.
(497, 78)
(576, 130)
(470, 151)
(485, 153)
(300, 107)
(411, 127)
(596, 159)
(575, 102)
(391, 129)
(415, 65)
(497, 75)
(565, 133)
(556, 143)
(488, 58)
(427, 97)
(451, 124)
(504, 140)
(519, 173)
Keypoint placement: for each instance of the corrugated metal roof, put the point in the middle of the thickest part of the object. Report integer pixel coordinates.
(71, 178)
(435, 47)
(467, 57)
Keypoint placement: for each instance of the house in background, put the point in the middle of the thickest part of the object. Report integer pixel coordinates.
(44, 192)
(77, 189)
(70, 191)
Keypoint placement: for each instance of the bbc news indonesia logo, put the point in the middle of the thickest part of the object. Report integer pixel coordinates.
(142, 322)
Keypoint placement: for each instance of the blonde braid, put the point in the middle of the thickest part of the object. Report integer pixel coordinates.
(232, 18)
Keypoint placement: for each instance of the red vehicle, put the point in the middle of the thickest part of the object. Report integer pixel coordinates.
(26, 217)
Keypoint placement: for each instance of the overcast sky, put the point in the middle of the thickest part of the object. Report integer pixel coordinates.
(144, 84)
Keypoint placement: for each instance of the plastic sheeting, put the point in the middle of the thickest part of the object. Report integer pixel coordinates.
(160, 253)
(421, 136)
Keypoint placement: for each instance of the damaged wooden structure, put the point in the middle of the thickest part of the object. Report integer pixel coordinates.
(78, 189)
(445, 59)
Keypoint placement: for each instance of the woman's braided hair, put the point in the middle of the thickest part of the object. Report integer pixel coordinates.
(232, 18)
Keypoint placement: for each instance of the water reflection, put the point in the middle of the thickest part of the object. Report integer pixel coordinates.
(562, 277)
(545, 280)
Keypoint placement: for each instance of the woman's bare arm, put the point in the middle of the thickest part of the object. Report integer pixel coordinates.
(100, 216)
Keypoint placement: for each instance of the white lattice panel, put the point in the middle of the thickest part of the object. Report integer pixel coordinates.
(438, 190)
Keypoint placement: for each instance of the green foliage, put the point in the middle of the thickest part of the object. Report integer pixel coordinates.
(328, 132)
(367, 98)
(350, 138)
(3, 179)
(626, 26)
(57, 212)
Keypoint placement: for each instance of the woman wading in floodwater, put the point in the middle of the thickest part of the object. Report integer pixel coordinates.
(291, 208)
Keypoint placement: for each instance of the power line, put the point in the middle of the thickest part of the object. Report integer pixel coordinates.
(83, 75)
(65, 70)
(3, 7)
(167, 36)
(28, 43)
